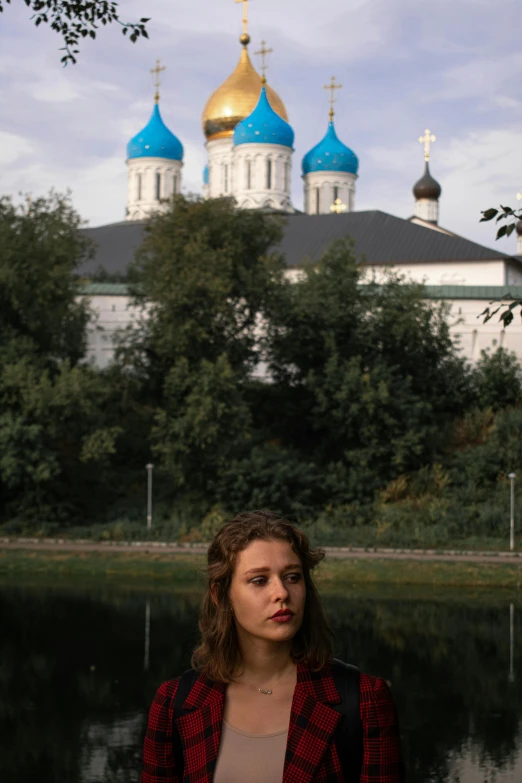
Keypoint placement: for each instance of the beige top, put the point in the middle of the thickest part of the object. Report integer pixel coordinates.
(258, 758)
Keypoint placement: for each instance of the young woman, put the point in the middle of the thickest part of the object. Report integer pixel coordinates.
(262, 704)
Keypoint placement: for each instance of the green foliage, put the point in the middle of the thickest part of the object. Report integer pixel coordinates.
(204, 275)
(368, 376)
(41, 249)
(498, 379)
(77, 19)
(54, 433)
(369, 428)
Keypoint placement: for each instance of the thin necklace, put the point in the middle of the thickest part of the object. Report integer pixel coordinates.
(265, 691)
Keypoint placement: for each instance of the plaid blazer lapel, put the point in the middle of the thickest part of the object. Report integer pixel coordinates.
(200, 730)
(312, 724)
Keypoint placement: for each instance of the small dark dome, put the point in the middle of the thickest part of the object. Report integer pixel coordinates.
(427, 187)
(518, 228)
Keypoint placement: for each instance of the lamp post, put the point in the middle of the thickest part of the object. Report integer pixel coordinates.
(149, 467)
(511, 477)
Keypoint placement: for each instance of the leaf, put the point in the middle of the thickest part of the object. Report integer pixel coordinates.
(488, 214)
(506, 318)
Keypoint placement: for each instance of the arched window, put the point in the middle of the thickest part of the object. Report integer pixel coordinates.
(317, 200)
(269, 174)
(249, 175)
(225, 178)
(174, 184)
(286, 181)
(138, 187)
(158, 186)
(336, 194)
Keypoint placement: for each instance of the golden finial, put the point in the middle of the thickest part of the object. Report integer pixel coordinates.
(244, 37)
(332, 87)
(427, 140)
(157, 70)
(338, 206)
(263, 52)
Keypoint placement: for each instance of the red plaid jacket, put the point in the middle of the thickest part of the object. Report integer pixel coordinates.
(310, 752)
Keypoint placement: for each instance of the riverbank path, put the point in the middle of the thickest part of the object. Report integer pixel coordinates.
(339, 553)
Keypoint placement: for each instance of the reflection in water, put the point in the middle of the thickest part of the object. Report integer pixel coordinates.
(146, 659)
(78, 672)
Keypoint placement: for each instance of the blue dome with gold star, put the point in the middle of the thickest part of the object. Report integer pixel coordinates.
(330, 155)
(264, 126)
(155, 141)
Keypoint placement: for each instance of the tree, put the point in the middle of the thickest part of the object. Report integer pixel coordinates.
(55, 434)
(366, 377)
(497, 378)
(204, 275)
(77, 19)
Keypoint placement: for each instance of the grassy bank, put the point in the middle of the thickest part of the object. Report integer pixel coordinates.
(182, 571)
(321, 533)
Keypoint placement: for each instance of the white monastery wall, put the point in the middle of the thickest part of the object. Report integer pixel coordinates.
(115, 312)
(110, 313)
(463, 273)
(473, 336)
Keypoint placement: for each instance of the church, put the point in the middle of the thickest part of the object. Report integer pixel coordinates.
(250, 147)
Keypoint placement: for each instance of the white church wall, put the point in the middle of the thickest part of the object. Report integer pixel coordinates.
(150, 180)
(221, 174)
(474, 336)
(255, 186)
(513, 275)
(111, 313)
(490, 273)
(322, 188)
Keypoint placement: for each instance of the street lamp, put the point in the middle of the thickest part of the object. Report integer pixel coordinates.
(512, 477)
(149, 467)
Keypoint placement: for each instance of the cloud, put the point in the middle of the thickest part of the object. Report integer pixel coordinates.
(404, 65)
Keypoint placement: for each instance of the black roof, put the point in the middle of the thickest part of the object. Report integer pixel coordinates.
(379, 237)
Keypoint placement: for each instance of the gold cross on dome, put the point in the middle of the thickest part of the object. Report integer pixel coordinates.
(245, 38)
(157, 83)
(427, 140)
(338, 206)
(332, 87)
(263, 52)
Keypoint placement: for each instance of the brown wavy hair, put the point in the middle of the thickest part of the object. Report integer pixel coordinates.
(217, 655)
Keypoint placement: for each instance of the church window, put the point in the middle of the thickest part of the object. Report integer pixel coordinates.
(249, 174)
(158, 186)
(317, 200)
(175, 184)
(286, 186)
(269, 175)
(336, 194)
(138, 187)
(225, 178)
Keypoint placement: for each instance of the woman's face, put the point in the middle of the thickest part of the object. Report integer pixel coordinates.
(268, 577)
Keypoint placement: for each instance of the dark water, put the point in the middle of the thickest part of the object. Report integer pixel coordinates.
(77, 676)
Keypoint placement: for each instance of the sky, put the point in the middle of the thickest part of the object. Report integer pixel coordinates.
(453, 66)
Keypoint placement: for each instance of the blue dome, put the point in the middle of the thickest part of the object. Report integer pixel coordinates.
(155, 141)
(330, 155)
(264, 126)
(206, 175)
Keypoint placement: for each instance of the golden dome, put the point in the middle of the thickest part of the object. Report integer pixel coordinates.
(236, 99)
